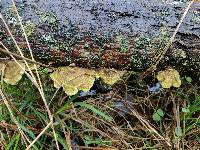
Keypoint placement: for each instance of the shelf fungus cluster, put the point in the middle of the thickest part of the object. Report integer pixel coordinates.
(12, 72)
(74, 79)
(169, 78)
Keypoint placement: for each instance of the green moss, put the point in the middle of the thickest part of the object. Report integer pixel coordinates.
(179, 54)
(139, 59)
(196, 17)
(29, 28)
(11, 16)
(123, 42)
(141, 41)
(47, 17)
(139, 54)
(146, 48)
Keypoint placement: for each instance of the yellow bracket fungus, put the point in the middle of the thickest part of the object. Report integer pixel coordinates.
(12, 72)
(169, 78)
(110, 76)
(73, 79)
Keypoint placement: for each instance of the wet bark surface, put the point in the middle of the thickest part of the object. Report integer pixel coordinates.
(131, 16)
(86, 32)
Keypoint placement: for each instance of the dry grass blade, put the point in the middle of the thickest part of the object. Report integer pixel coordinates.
(39, 135)
(35, 115)
(177, 118)
(24, 137)
(94, 148)
(160, 57)
(5, 50)
(16, 61)
(148, 126)
(37, 83)
(22, 27)
(92, 127)
(162, 54)
(17, 46)
(67, 135)
(40, 84)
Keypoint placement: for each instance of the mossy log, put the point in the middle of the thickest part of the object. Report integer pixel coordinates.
(113, 34)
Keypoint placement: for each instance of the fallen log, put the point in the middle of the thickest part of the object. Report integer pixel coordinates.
(112, 34)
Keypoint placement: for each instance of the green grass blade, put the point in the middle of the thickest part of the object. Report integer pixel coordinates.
(11, 143)
(17, 142)
(63, 142)
(96, 111)
(68, 104)
(31, 134)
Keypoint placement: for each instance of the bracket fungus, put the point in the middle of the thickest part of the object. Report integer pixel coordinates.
(169, 78)
(109, 76)
(12, 72)
(74, 79)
